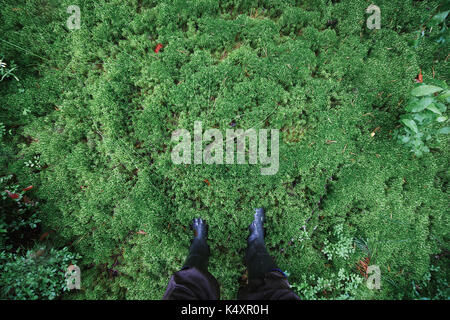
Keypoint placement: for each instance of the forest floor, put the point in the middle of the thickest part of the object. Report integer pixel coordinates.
(95, 109)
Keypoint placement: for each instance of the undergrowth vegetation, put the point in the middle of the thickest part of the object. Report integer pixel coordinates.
(88, 124)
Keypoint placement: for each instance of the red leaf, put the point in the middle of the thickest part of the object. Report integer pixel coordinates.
(27, 188)
(12, 195)
(158, 47)
(419, 78)
(206, 181)
(44, 235)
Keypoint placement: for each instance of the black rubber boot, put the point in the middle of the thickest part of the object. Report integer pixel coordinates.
(199, 251)
(257, 259)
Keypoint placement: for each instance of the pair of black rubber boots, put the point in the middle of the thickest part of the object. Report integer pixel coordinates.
(257, 259)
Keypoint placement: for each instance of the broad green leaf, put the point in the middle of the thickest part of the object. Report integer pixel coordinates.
(445, 130)
(405, 139)
(433, 108)
(411, 103)
(410, 124)
(425, 90)
(421, 104)
(418, 143)
(442, 107)
(419, 117)
(440, 17)
(444, 96)
(418, 153)
(411, 106)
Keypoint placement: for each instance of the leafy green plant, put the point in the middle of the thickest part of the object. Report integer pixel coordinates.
(424, 118)
(33, 162)
(338, 283)
(340, 286)
(342, 247)
(367, 246)
(39, 274)
(438, 22)
(7, 71)
(18, 215)
(432, 286)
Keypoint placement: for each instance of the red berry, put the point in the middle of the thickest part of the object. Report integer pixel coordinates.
(158, 47)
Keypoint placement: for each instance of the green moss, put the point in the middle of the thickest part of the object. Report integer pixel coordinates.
(103, 107)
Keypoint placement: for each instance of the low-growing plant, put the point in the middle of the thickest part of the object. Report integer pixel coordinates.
(438, 22)
(34, 162)
(340, 286)
(39, 274)
(6, 71)
(342, 247)
(433, 285)
(338, 282)
(424, 118)
(18, 215)
(367, 246)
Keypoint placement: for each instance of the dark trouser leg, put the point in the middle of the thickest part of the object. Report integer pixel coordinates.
(192, 284)
(194, 281)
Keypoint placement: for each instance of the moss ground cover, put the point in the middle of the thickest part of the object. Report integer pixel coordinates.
(96, 108)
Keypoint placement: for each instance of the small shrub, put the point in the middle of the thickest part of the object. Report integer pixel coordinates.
(40, 274)
(342, 248)
(340, 286)
(6, 71)
(433, 285)
(438, 23)
(425, 112)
